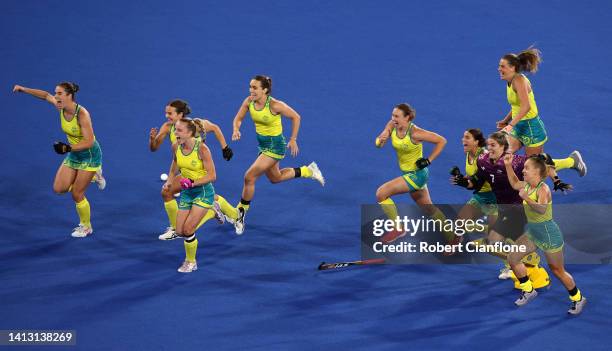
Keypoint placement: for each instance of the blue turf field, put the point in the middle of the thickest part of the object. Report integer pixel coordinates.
(342, 65)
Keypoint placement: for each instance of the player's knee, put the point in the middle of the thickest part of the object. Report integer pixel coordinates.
(514, 259)
(249, 179)
(275, 180)
(188, 229)
(59, 189)
(167, 195)
(557, 270)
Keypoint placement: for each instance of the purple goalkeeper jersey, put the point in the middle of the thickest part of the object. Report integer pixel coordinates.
(495, 174)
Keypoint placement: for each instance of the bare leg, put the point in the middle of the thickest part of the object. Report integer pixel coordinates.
(261, 165)
(64, 178)
(514, 258)
(556, 264)
(393, 187)
(82, 181)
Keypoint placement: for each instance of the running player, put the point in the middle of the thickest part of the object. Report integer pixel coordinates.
(407, 140)
(511, 217)
(193, 160)
(483, 202)
(84, 159)
(176, 110)
(522, 123)
(542, 232)
(266, 112)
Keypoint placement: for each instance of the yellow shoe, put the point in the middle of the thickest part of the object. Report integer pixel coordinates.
(538, 276)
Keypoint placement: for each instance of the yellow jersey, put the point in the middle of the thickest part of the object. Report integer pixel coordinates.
(472, 168)
(514, 102)
(72, 127)
(533, 216)
(266, 123)
(190, 165)
(407, 151)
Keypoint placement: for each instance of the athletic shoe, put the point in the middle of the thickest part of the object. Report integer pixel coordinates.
(505, 273)
(229, 219)
(219, 216)
(99, 179)
(579, 164)
(526, 297)
(188, 267)
(577, 306)
(316, 173)
(81, 231)
(239, 222)
(391, 236)
(169, 234)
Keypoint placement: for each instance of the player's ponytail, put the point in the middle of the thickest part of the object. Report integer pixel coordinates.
(200, 128)
(527, 61)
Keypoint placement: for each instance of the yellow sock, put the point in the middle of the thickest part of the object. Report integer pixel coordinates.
(84, 212)
(527, 286)
(389, 208)
(305, 172)
(209, 215)
(226, 208)
(564, 163)
(190, 250)
(576, 297)
(171, 209)
(244, 207)
(438, 215)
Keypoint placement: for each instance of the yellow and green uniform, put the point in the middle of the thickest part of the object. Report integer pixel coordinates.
(88, 159)
(530, 130)
(269, 129)
(408, 152)
(191, 167)
(484, 199)
(541, 228)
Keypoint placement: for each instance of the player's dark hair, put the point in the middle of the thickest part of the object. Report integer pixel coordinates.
(527, 61)
(500, 138)
(181, 106)
(70, 88)
(266, 83)
(407, 110)
(478, 136)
